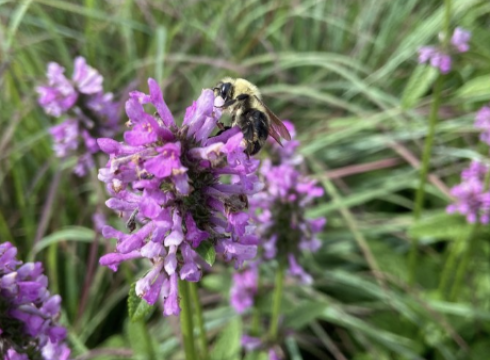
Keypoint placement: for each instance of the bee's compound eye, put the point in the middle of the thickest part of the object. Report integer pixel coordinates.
(225, 91)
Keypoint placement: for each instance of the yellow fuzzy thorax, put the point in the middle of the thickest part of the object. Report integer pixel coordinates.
(242, 86)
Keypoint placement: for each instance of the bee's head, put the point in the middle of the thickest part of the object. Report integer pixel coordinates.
(224, 90)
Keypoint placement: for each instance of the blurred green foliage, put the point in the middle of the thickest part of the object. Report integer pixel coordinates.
(345, 73)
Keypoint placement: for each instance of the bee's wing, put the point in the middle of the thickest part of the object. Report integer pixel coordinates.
(276, 129)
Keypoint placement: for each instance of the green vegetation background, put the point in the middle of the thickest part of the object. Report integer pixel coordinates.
(345, 73)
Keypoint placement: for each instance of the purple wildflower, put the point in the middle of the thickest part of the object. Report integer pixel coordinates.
(252, 343)
(88, 112)
(472, 199)
(482, 122)
(169, 179)
(28, 312)
(439, 58)
(244, 289)
(460, 39)
(279, 208)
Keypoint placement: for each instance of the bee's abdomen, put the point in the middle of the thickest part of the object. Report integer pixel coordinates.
(255, 128)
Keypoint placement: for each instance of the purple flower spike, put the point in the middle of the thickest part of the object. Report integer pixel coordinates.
(440, 58)
(244, 289)
(482, 122)
(88, 112)
(87, 79)
(284, 232)
(460, 39)
(472, 200)
(426, 53)
(279, 208)
(28, 312)
(166, 181)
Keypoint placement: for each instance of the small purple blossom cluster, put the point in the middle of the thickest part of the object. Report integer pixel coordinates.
(482, 122)
(252, 343)
(171, 180)
(472, 199)
(88, 112)
(472, 195)
(28, 313)
(439, 58)
(279, 209)
(244, 288)
(279, 212)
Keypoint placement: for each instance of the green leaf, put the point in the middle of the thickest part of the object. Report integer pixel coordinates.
(440, 226)
(228, 344)
(71, 233)
(418, 84)
(207, 252)
(477, 89)
(138, 308)
(301, 315)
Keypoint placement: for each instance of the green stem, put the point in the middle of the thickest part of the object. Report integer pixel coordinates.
(447, 24)
(450, 263)
(463, 265)
(424, 170)
(470, 249)
(199, 321)
(147, 339)
(186, 324)
(276, 303)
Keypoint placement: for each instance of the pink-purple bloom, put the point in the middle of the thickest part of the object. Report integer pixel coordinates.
(285, 232)
(29, 314)
(170, 184)
(439, 58)
(279, 209)
(88, 112)
(471, 197)
(482, 122)
(460, 40)
(252, 343)
(244, 289)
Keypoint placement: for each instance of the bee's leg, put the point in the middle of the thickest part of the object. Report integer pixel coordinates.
(255, 130)
(241, 97)
(222, 128)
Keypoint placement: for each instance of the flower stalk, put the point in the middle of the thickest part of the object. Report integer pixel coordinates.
(199, 321)
(424, 170)
(276, 302)
(186, 323)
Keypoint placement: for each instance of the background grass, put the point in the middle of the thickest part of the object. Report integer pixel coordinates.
(345, 73)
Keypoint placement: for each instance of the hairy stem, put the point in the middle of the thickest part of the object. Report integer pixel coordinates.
(450, 263)
(199, 320)
(463, 265)
(186, 324)
(424, 169)
(276, 302)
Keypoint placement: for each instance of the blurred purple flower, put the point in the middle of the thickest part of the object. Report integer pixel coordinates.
(169, 179)
(482, 122)
(252, 343)
(460, 39)
(244, 289)
(441, 60)
(472, 199)
(28, 311)
(90, 113)
(278, 211)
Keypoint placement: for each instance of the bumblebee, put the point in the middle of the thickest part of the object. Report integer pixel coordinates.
(256, 121)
